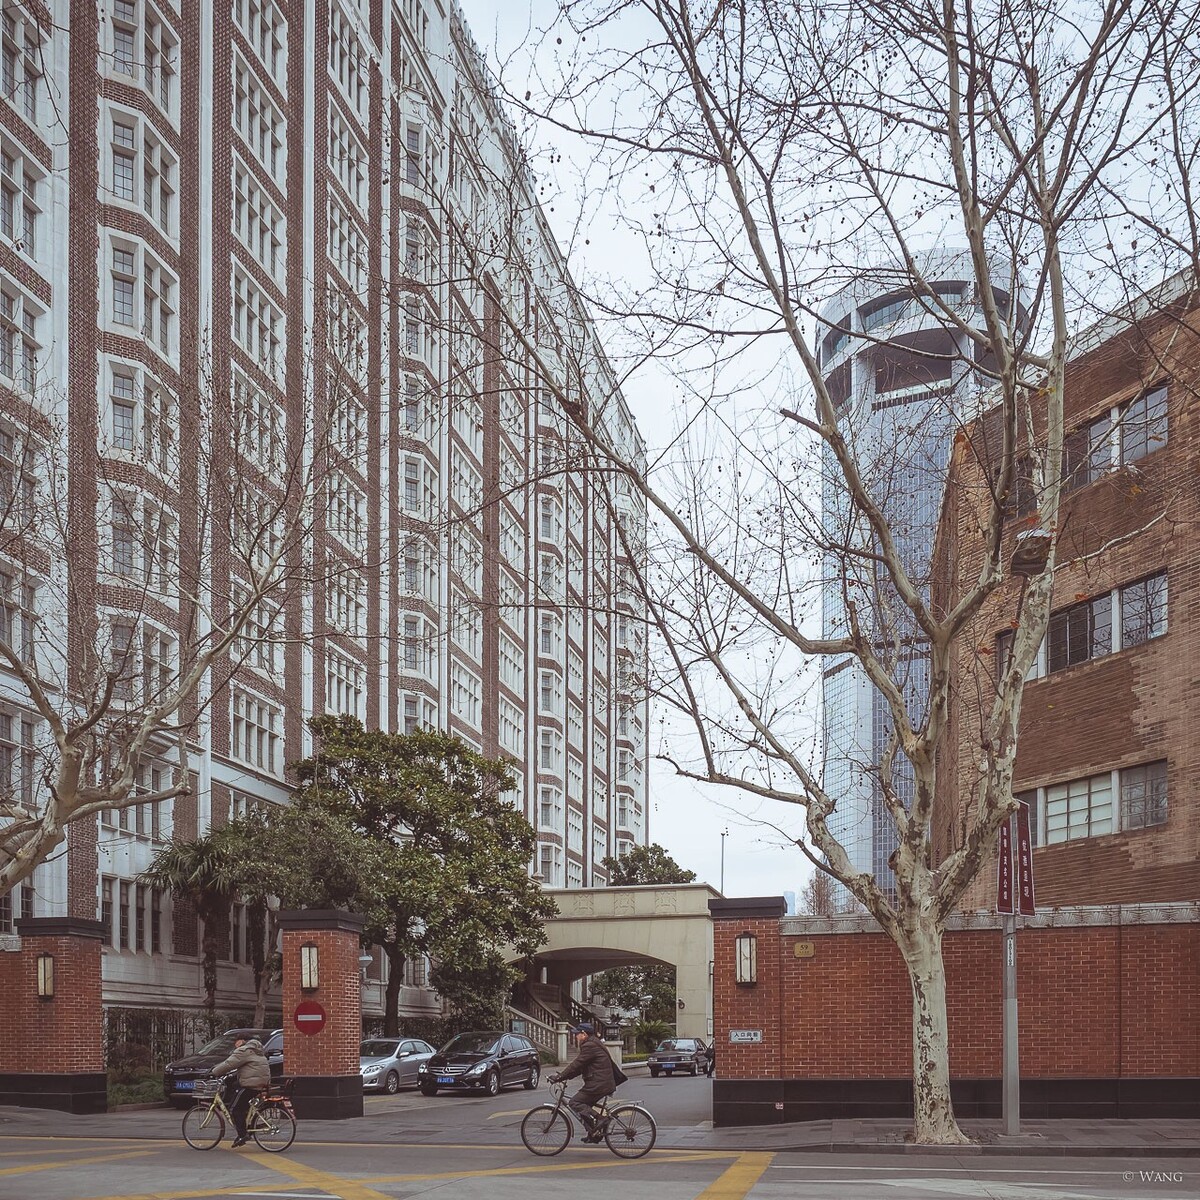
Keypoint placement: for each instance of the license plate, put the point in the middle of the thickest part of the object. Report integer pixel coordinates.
(185, 1085)
(668, 1066)
(445, 1079)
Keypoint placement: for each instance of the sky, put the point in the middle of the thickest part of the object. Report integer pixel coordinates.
(719, 833)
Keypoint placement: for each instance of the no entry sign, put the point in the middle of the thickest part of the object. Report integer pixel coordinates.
(309, 1017)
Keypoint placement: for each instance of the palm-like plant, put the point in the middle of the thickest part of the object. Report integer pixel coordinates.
(205, 871)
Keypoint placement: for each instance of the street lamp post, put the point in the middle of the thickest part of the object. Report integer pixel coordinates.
(724, 835)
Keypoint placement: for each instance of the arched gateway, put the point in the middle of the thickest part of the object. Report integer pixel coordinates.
(599, 928)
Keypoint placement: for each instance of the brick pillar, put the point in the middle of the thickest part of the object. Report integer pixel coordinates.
(53, 1053)
(324, 1064)
(748, 1088)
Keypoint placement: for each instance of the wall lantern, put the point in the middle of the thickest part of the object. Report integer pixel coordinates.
(308, 967)
(745, 957)
(45, 976)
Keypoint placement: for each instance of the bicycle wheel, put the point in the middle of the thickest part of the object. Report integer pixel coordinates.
(203, 1127)
(630, 1131)
(274, 1128)
(546, 1130)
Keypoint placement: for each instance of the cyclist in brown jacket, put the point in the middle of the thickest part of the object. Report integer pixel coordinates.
(596, 1067)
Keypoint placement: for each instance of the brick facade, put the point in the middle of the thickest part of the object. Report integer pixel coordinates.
(1109, 1016)
(1136, 705)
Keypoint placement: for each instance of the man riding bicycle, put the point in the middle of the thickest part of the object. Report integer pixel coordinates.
(253, 1075)
(596, 1067)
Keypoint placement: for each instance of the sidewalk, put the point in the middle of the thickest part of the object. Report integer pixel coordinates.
(1156, 1139)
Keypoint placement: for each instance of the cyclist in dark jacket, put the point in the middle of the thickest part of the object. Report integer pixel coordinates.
(596, 1067)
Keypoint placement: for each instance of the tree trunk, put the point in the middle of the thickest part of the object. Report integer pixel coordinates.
(933, 1110)
(256, 931)
(391, 1010)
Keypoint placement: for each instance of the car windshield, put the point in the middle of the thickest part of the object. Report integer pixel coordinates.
(471, 1043)
(674, 1044)
(223, 1044)
(380, 1048)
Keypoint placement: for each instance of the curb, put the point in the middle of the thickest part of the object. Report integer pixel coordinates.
(1024, 1150)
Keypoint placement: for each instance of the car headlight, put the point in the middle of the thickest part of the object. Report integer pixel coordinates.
(477, 1069)
(371, 1070)
(423, 1069)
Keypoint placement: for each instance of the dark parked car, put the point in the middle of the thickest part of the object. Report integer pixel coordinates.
(488, 1061)
(388, 1064)
(676, 1055)
(179, 1077)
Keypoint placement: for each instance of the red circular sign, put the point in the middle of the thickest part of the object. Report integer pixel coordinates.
(309, 1017)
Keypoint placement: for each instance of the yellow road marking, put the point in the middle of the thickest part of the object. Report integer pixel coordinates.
(736, 1182)
(344, 1189)
(540, 1168)
(509, 1112)
(75, 1162)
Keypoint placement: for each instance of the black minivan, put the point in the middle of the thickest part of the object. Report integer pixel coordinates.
(483, 1061)
(179, 1077)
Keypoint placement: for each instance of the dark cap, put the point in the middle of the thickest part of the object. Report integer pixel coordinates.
(586, 1027)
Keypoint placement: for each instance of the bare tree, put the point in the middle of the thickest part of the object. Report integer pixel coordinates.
(123, 620)
(759, 158)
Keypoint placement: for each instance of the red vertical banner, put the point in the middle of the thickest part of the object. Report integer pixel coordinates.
(1004, 869)
(1025, 899)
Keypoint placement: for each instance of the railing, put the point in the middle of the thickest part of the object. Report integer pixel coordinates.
(549, 1036)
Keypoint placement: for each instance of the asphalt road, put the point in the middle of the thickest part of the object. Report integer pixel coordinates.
(464, 1148)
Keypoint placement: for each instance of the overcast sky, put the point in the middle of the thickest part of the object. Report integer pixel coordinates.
(684, 817)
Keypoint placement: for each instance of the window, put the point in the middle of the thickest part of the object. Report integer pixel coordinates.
(575, 830)
(550, 635)
(550, 864)
(19, 344)
(144, 170)
(412, 155)
(550, 519)
(1144, 796)
(1080, 808)
(260, 123)
(512, 728)
(257, 727)
(1143, 425)
(347, 63)
(346, 603)
(18, 205)
(124, 412)
(258, 224)
(18, 762)
(265, 30)
(1080, 633)
(17, 606)
(466, 624)
(550, 576)
(15, 905)
(466, 695)
(419, 646)
(1143, 610)
(419, 712)
(466, 483)
(124, 559)
(347, 246)
(512, 670)
(420, 570)
(345, 685)
(1087, 453)
(1004, 648)
(260, 642)
(347, 513)
(123, 930)
(419, 486)
(257, 323)
(347, 159)
(550, 693)
(550, 751)
(21, 62)
(259, 424)
(468, 558)
(411, 411)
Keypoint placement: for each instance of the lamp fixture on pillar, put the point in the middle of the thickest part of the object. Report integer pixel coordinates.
(364, 961)
(308, 967)
(45, 976)
(745, 958)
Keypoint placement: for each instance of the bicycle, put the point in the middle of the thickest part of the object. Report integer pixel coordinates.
(629, 1129)
(269, 1120)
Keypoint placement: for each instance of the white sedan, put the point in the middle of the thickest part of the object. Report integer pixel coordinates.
(388, 1064)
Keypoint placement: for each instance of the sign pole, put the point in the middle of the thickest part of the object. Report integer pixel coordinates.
(1011, 1086)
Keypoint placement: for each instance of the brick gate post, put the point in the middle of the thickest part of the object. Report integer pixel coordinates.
(323, 1063)
(53, 1053)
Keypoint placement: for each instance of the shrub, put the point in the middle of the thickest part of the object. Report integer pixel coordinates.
(128, 1062)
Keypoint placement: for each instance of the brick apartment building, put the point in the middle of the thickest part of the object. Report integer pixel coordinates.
(1108, 756)
(224, 229)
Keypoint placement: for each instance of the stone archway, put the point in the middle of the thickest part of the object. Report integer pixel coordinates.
(599, 928)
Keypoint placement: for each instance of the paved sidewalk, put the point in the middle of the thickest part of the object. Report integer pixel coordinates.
(1161, 1139)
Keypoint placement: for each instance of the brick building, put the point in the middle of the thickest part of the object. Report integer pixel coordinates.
(235, 240)
(1107, 757)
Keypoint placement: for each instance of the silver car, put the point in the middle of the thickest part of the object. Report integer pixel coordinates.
(388, 1064)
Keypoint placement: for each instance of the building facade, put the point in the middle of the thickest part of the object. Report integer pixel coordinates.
(901, 377)
(1107, 755)
(276, 295)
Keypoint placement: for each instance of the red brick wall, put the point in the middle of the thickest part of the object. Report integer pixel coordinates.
(60, 1035)
(1109, 1001)
(333, 1051)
